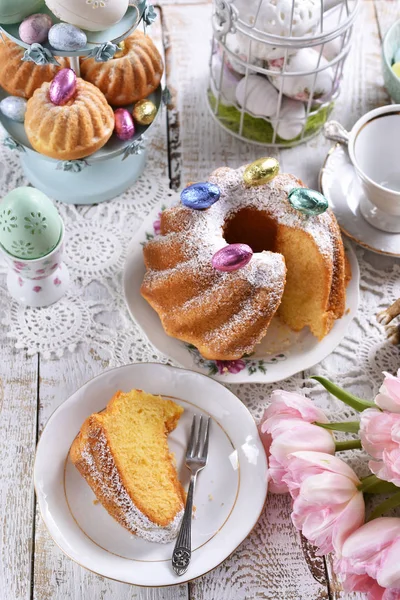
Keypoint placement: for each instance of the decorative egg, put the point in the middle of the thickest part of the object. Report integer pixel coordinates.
(68, 38)
(396, 69)
(63, 87)
(14, 107)
(35, 29)
(232, 257)
(225, 83)
(200, 195)
(92, 15)
(292, 117)
(309, 202)
(261, 171)
(144, 112)
(14, 11)
(299, 86)
(257, 95)
(124, 126)
(30, 226)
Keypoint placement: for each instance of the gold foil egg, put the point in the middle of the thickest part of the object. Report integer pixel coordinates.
(144, 112)
(122, 50)
(261, 171)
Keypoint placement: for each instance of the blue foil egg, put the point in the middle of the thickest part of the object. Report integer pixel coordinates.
(309, 202)
(66, 37)
(200, 195)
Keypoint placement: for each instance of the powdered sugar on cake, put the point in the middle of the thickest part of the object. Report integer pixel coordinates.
(107, 477)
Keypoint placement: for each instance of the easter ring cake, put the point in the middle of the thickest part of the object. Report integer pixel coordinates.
(284, 261)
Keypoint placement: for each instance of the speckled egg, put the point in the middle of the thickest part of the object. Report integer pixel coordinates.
(309, 202)
(200, 195)
(35, 29)
(30, 226)
(93, 15)
(66, 37)
(13, 11)
(261, 171)
(14, 108)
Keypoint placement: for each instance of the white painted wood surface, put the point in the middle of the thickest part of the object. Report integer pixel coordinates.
(274, 562)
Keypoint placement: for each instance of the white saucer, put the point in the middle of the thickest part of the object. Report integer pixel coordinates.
(230, 493)
(281, 354)
(340, 185)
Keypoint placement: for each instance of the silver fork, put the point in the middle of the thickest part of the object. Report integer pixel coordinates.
(196, 460)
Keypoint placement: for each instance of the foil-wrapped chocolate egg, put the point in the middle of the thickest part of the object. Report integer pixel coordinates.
(63, 87)
(144, 112)
(14, 108)
(309, 202)
(232, 257)
(35, 29)
(261, 171)
(67, 37)
(124, 126)
(200, 195)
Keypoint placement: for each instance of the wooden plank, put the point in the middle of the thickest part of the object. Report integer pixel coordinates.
(56, 577)
(18, 402)
(387, 13)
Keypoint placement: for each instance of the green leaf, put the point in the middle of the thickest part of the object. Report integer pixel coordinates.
(385, 506)
(348, 426)
(354, 401)
(348, 445)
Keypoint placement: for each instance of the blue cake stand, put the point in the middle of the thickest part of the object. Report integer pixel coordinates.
(109, 171)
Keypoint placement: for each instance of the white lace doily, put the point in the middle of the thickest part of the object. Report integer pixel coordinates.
(94, 312)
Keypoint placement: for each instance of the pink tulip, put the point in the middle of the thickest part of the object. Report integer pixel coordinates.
(389, 393)
(327, 505)
(389, 468)
(370, 560)
(294, 406)
(379, 431)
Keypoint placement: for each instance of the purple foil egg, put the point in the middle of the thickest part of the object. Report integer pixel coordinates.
(232, 257)
(63, 87)
(35, 29)
(124, 126)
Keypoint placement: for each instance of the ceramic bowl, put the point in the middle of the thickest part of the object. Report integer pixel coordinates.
(391, 43)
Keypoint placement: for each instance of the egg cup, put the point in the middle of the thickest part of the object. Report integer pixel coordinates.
(38, 282)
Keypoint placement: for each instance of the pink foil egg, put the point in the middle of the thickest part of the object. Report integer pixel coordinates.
(232, 257)
(63, 87)
(124, 126)
(35, 29)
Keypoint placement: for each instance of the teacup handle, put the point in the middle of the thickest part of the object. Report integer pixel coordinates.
(336, 132)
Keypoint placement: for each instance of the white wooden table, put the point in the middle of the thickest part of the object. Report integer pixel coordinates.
(275, 562)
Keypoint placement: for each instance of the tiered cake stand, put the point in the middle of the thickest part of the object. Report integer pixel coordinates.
(109, 171)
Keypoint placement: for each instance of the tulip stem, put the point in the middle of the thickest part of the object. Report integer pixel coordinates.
(348, 426)
(388, 504)
(348, 445)
(354, 401)
(373, 485)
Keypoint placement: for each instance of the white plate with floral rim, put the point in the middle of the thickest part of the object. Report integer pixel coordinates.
(282, 352)
(230, 492)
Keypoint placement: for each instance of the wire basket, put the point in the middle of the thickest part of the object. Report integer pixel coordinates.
(276, 66)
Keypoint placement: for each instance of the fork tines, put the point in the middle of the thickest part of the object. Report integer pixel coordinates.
(198, 441)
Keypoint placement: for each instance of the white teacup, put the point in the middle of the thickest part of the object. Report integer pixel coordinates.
(374, 149)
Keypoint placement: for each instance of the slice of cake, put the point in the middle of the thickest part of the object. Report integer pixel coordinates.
(123, 454)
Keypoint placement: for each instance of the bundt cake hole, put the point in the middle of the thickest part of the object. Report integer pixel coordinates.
(252, 227)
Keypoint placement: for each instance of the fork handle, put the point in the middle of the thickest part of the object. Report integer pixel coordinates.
(183, 547)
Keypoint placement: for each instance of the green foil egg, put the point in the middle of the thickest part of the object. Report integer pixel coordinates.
(30, 226)
(309, 202)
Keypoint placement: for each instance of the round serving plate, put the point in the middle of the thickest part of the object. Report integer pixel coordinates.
(339, 183)
(230, 492)
(99, 177)
(115, 34)
(282, 352)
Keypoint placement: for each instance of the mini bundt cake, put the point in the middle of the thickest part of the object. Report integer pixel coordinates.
(73, 130)
(131, 75)
(123, 454)
(298, 267)
(20, 78)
